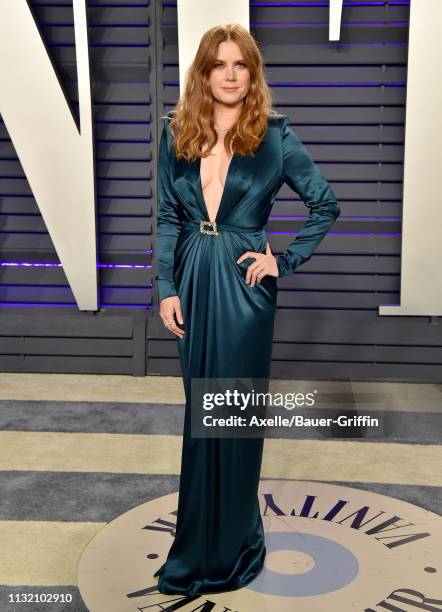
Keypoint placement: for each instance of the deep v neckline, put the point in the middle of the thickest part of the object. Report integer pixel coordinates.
(201, 192)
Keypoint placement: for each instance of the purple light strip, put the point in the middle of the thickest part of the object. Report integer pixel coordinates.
(324, 24)
(373, 218)
(59, 265)
(377, 84)
(337, 234)
(73, 305)
(103, 45)
(99, 5)
(309, 4)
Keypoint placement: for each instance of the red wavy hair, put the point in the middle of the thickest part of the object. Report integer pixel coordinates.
(192, 123)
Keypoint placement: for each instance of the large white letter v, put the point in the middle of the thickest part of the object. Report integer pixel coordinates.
(58, 161)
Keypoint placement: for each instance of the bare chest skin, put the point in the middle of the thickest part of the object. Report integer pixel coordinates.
(213, 171)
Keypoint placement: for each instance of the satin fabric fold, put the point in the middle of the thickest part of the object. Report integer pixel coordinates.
(219, 542)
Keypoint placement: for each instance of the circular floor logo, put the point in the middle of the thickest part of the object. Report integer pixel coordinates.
(328, 548)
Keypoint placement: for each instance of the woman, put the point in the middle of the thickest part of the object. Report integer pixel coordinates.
(224, 155)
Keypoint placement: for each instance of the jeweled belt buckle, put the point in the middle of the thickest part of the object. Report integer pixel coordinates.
(212, 224)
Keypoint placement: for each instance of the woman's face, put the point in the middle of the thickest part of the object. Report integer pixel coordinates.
(230, 77)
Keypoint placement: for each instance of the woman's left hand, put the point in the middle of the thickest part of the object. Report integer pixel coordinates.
(264, 264)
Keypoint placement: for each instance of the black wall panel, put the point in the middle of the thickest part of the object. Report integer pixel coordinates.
(345, 100)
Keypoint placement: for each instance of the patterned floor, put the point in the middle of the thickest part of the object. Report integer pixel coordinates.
(76, 451)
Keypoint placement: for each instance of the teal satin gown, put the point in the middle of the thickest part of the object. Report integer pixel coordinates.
(219, 543)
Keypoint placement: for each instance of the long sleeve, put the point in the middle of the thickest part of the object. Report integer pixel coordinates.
(302, 174)
(168, 221)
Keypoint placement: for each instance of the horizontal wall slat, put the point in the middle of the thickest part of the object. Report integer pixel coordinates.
(370, 327)
(321, 74)
(102, 16)
(140, 170)
(349, 208)
(354, 14)
(332, 243)
(105, 224)
(111, 35)
(106, 205)
(362, 353)
(338, 326)
(109, 188)
(315, 96)
(42, 242)
(108, 224)
(141, 257)
(141, 296)
(287, 52)
(58, 325)
(340, 263)
(74, 365)
(118, 151)
(23, 275)
(299, 352)
(71, 347)
(306, 35)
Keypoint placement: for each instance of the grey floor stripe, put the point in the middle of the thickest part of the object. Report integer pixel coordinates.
(56, 496)
(75, 496)
(115, 417)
